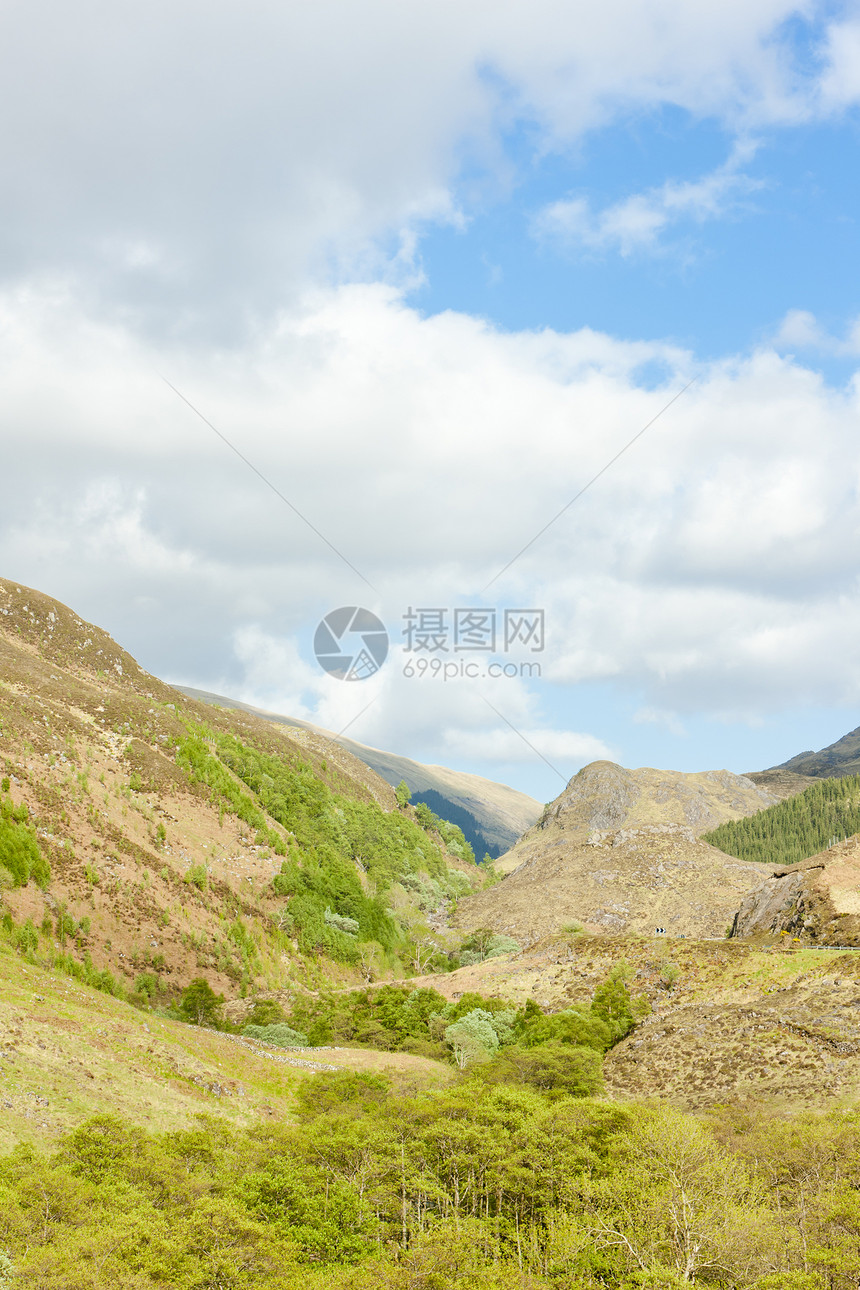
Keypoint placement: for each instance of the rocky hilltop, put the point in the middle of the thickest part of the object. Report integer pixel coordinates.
(619, 851)
(605, 796)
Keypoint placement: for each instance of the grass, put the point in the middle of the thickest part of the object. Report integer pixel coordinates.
(69, 1052)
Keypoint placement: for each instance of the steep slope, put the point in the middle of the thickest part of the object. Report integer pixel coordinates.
(502, 814)
(818, 899)
(839, 758)
(618, 851)
(162, 823)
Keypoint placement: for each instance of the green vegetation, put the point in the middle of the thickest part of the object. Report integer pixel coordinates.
(797, 828)
(199, 1004)
(451, 834)
(280, 1034)
(484, 943)
(474, 1030)
(19, 851)
(478, 1187)
(346, 862)
(403, 794)
(328, 910)
(454, 813)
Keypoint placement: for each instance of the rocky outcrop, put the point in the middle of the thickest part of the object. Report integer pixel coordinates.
(606, 796)
(818, 899)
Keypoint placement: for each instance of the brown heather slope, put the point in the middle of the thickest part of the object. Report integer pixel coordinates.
(769, 1026)
(78, 719)
(618, 851)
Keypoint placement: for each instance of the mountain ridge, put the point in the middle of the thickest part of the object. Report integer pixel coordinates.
(502, 813)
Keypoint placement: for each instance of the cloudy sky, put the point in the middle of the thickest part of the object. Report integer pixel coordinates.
(429, 267)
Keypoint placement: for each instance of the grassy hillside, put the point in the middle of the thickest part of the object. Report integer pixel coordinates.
(797, 828)
(147, 838)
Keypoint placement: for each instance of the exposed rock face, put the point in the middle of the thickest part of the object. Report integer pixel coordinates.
(818, 899)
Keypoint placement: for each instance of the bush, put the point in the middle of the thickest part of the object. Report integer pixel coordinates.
(556, 1068)
(198, 877)
(403, 793)
(280, 1034)
(473, 1038)
(341, 922)
(265, 1012)
(148, 986)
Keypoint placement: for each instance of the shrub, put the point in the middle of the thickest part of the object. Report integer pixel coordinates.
(265, 1012)
(198, 877)
(344, 924)
(473, 1038)
(280, 1034)
(148, 985)
(556, 1068)
(403, 793)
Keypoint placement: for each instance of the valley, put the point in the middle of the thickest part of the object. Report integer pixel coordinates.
(246, 984)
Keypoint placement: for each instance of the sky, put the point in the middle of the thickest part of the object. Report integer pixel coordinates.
(531, 329)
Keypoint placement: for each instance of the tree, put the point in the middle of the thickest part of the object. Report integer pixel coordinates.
(473, 1038)
(200, 1004)
(479, 942)
(403, 793)
(555, 1068)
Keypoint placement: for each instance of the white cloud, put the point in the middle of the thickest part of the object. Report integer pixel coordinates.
(560, 748)
(193, 165)
(659, 717)
(711, 570)
(801, 330)
(637, 222)
(840, 81)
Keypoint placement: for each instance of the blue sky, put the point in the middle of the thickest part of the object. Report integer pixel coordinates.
(430, 268)
(716, 285)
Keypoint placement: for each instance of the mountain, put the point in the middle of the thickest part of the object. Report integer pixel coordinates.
(618, 851)
(840, 758)
(499, 814)
(143, 834)
(430, 1129)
